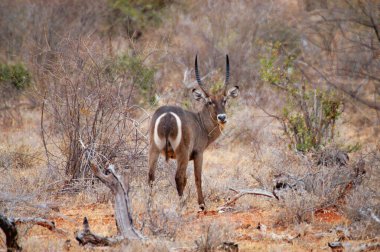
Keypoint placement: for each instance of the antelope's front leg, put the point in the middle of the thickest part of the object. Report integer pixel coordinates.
(198, 160)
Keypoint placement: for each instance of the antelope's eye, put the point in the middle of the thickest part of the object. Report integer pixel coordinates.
(210, 103)
(224, 102)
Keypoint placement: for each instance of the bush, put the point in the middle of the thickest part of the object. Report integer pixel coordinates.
(15, 74)
(310, 114)
(91, 110)
(314, 125)
(140, 75)
(18, 157)
(14, 79)
(362, 206)
(136, 15)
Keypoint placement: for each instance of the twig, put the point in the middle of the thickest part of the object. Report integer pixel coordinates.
(242, 192)
(43, 130)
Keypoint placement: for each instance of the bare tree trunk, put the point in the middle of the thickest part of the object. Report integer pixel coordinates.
(120, 188)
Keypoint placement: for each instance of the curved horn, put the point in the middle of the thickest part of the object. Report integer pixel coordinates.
(198, 77)
(227, 73)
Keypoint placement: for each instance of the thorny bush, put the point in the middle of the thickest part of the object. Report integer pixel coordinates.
(87, 112)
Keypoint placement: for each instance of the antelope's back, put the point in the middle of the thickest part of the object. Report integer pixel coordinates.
(166, 109)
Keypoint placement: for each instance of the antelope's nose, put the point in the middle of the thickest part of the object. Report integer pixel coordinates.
(222, 118)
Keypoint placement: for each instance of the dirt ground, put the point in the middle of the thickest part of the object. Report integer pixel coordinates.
(255, 223)
(243, 224)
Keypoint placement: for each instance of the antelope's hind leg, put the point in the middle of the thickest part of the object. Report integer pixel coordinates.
(154, 153)
(180, 176)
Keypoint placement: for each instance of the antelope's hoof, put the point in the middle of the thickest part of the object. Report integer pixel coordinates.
(202, 208)
(150, 182)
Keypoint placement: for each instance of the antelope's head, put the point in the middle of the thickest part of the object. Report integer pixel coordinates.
(216, 104)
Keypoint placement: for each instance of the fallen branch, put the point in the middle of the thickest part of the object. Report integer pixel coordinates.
(87, 237)
(370, 213)
(8, 225)
(40, 222)
(242, 192)
(341, 246)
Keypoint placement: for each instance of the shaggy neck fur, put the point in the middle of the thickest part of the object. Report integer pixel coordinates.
(210, 124)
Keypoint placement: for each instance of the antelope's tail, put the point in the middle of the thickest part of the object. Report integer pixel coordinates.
(166, 148)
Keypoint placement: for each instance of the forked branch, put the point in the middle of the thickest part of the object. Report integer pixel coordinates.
(120, 187)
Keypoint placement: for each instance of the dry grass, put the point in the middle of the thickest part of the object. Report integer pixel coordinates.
(159, 215)
(251, 153)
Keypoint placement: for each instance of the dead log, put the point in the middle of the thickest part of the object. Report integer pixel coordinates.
(87, 237)
(119, 187)
(10, 231)
(8, 225)
(242, 192)
(40, 222)
(341, 246)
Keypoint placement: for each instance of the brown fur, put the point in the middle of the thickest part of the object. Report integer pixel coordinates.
(199, 130)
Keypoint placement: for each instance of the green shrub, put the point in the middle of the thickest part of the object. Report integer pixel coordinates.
(310, 113)
(141, 76)
(15, 74)
(311, 124)
(136, 15)
(217, 87)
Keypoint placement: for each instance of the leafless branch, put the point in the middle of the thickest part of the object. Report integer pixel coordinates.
(371, 104)
(242, 192)
(40, 222)
(341, 246)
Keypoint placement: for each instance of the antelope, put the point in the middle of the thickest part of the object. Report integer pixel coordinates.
(184, 135)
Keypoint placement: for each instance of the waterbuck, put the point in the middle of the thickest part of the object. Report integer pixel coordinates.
(184, 135)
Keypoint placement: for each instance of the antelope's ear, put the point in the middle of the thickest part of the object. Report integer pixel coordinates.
(198, 95)
(233, 92)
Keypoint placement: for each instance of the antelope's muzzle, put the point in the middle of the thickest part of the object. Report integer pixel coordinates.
(222, 118)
